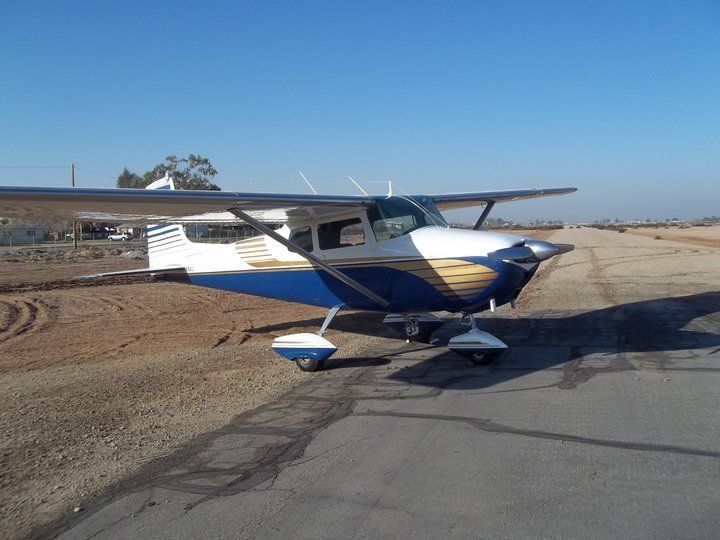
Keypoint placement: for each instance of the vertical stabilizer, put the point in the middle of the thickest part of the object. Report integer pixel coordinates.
(167, 244)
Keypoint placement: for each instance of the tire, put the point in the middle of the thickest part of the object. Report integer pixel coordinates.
(110, 239)
(124, 239)
(309, 364)
(422, 337)
(485, 358)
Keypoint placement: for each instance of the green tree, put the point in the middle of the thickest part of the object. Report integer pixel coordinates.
(129, 179)
(192, 172)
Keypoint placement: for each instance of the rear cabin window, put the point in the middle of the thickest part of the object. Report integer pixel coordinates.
(302, 236)
(339, 234)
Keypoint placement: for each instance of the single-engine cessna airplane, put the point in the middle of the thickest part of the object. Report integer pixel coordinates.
(394, 254)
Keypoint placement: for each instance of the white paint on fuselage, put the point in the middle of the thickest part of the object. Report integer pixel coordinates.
(429, 242)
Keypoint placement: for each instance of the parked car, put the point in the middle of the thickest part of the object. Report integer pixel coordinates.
(122, 237)
(84, 236)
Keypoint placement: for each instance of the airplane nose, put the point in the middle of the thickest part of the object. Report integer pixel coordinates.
(530, 250)
(542, 250)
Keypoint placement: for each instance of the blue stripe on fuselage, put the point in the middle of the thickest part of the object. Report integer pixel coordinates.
(404, 291)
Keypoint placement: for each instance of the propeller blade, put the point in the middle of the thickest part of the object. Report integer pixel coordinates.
(564, 248)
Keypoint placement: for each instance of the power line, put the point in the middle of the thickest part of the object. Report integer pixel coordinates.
(34, 166)
(55, 167)
(95, 172)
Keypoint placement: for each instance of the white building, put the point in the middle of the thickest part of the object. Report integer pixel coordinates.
(15, 235)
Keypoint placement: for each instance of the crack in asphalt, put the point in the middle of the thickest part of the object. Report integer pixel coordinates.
(489, 426)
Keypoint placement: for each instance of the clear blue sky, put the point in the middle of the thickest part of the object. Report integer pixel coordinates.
(621, 99)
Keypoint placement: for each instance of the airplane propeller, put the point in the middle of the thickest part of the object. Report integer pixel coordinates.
(531, 251)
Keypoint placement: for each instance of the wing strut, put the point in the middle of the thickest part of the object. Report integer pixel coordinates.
(347, 280)
(484, 215)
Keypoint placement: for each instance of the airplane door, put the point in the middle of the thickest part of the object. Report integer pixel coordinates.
(349, 243)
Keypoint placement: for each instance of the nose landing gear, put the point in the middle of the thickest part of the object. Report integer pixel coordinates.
(481, 347)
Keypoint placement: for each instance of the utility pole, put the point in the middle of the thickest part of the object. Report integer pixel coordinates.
(74, 229)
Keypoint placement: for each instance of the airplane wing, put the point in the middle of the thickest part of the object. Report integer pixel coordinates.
(452, 201)
(143, 206)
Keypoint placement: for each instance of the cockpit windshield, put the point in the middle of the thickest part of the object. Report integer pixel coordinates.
(399, 215)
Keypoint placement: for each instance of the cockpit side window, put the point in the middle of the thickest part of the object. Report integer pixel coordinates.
(395, 216)
(342, 233)
(302, 236)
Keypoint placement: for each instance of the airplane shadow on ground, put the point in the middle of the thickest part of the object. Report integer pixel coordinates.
(647, 331)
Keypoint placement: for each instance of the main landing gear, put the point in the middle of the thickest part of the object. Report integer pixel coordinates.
(309, 351)
(481, 347)
(416, 326)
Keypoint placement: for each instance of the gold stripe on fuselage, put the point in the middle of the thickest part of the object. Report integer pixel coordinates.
(468, 278)
(453, 278)
(470, 270)
(424, 264)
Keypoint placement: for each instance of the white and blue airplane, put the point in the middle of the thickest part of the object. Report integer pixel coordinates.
(394, 254)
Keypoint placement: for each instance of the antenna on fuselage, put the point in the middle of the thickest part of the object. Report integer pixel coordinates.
(390, 194)
(308, 183)
(358, 186)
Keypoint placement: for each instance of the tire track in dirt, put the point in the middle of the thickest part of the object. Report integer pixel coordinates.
(25, 315)
(631, 259)
(138, 323)
(599, 279)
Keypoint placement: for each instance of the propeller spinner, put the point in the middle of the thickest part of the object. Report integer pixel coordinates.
(531, 250)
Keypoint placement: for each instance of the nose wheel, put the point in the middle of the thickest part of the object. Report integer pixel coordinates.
(480, 347)
(485, 358)
(309, 364)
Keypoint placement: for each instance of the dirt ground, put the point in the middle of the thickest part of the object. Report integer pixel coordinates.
(701, 236)
(96, 381)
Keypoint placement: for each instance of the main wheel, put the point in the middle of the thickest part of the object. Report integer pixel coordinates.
(309, 364)
(485, 358)
(421, 337)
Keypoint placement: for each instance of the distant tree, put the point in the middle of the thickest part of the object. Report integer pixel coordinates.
(129, 179)
(192, 172)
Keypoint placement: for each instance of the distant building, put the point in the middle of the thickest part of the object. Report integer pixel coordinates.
(16, 235)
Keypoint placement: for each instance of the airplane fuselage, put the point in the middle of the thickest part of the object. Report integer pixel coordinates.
(429, 269)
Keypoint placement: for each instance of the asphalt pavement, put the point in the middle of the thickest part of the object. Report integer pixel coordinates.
(600, 423)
